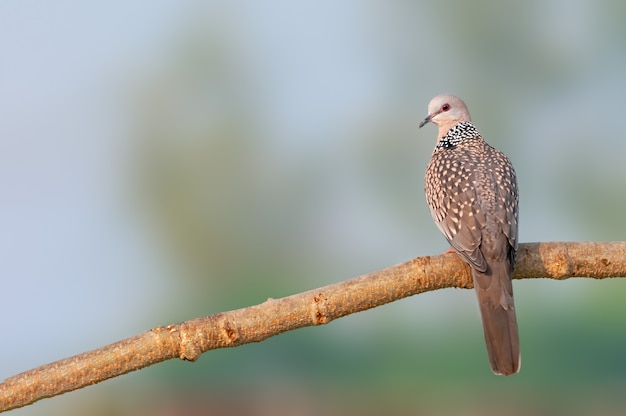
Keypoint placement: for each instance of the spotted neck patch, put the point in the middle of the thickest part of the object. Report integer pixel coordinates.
(456, 135)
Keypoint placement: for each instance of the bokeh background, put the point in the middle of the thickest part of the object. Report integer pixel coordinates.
(162, 160)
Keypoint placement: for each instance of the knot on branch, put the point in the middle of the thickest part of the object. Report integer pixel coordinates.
(188, 349)
(319, 310)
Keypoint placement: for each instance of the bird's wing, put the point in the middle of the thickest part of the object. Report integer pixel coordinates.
(454, 205)
(461, 225)
(508, 197)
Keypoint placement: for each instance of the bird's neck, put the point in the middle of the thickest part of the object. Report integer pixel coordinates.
(453, 135)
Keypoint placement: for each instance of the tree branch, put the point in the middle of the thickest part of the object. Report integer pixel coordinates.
(188, 340)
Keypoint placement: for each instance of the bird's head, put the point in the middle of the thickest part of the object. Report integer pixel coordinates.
(446, 111)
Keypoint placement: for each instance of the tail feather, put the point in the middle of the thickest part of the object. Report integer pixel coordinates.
(495, 298)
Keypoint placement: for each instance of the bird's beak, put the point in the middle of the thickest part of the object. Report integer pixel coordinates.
(426, 120)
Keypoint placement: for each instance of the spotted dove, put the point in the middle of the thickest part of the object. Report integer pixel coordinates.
(472, 194)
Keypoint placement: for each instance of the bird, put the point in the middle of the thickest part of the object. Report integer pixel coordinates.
(471, 190)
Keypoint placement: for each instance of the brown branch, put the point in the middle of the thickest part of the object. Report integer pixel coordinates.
(189, 339)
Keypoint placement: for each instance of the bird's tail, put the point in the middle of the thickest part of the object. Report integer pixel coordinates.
(495, 298)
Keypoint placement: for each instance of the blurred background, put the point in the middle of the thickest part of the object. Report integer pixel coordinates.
(163, 160)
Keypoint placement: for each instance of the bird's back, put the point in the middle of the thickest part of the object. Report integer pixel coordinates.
(472, 194)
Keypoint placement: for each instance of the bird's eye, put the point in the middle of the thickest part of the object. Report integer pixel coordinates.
(445, 107)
